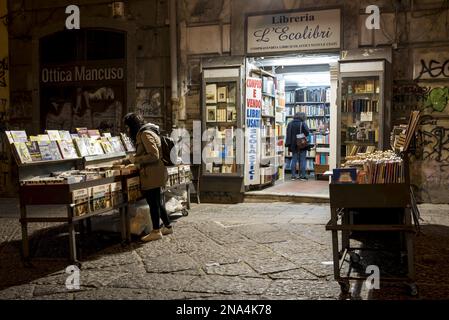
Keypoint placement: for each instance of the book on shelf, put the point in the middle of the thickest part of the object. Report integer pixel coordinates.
(43, 137)
(231, 114)
(94, 133)
(21, 153)
(100, 197)
(82, 132)
(54, 151)
(211, 93)
(65, 135)
(211, 114)
(94, 147)
(127, 143)
(107, 146)
(67, 148)
(221, 115)
(33, 149)
(116, 194)
(9, 137)
(19, 136)
(231, 94)
(53, 135)
(344, 176)
(222, 93)
(80, 199)
(44, 147)
(133, 189)
(81, 145)
(117, 144)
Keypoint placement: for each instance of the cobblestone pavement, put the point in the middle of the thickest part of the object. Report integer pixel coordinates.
(247, 251)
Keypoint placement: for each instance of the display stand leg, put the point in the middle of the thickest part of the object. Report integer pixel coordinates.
(345, 234)
(127, 223)
(25, 239)
(188, 196)
(72, 242)
(124, 231)
(89, 225)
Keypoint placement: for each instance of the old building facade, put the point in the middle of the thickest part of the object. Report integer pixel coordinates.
(138, 42)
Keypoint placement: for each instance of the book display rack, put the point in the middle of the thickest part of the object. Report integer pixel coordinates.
(372, 194)
(84, 186)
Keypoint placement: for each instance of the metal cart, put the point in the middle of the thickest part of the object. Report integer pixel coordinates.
(343, 198)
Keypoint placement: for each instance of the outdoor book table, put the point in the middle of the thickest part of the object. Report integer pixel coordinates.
(368, 199)
(61, 195)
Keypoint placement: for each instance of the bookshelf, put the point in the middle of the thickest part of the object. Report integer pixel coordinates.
(315, 103)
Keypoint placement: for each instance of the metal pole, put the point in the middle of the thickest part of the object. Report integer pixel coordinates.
(174, 63)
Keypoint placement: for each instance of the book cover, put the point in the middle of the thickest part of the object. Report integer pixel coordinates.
(99, 197)
(95, 148)
(53, 135)
(116, 193)
(81, 146)
(129, 146)
(35, 138)
(22, 153)
(117, 144)
(67, 149)
(54, 150)
(211, 93)
(222, 93)
(74, 135)
(9, 137)
(133, 188)
(33, 149)
(65, 135)
(211, 114)
(80, 199)
(43, 137)
(44, 147)
(94, 133)
(344, 175)
(107, 146)
(19, 136)
(82, 132)
(107, 135)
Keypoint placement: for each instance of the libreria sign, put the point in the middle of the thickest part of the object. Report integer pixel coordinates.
(294, 31)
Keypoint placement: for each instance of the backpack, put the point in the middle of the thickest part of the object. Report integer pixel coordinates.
(301, 140)
(167, 145)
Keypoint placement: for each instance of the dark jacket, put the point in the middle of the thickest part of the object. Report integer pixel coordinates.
(153, 173)
(293, 129)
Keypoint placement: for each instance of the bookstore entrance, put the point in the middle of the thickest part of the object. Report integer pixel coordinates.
(296, 84)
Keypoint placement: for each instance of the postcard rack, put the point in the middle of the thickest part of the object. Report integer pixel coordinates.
(344, 198)
(60, 195)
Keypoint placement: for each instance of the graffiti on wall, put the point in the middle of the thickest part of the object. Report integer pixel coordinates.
(431, 63)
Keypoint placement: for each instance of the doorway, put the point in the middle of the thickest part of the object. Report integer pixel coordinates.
(303, 85)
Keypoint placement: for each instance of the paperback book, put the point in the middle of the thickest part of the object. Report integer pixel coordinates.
(81, 146)
(19, 136)
(53, 135)
(80, 199)
(65, 135)
(44, 147)
(21, 152)
(67, 149)
(33, 149)
(54, 151)
(133, 189)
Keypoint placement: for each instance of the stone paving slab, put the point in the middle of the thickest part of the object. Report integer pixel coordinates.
(235, 269)
(157, 281)
(228, 285)
(248, 251)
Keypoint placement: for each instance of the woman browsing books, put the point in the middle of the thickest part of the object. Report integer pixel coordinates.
(153, 173)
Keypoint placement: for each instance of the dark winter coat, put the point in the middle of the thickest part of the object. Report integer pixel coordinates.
(293, 129)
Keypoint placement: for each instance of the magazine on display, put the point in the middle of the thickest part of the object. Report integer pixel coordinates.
(9, 137)
(81, 146)
(33, 149)
(54, 150)
(117, 144)
(53, 135)
(107, 146)
(67, 149)
(98, 196)
(65, 135)
(44, 147)
(22, 153)
(133, 189)
(19, 136)
(129, 146)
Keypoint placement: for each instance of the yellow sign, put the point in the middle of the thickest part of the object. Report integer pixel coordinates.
(4, 59)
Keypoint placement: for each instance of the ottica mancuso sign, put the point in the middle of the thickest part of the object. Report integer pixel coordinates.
(294, 31)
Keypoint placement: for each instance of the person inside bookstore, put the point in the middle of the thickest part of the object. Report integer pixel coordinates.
(295, 129)
(153, 173)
